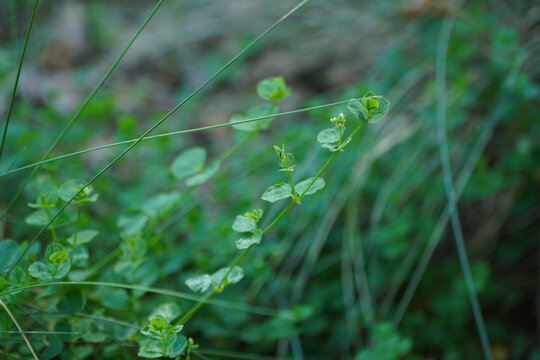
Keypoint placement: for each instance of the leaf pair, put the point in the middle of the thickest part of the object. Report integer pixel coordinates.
(57, 266)
(202, 283)
(283, 190)
(162, 339)
(249, 225)
(370, 108)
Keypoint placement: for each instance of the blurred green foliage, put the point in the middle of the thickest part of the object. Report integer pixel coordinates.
(331, 279)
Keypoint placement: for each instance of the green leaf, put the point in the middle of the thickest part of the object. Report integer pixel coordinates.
(160, 204)
(273, 89)
(150, 349)
(71, 187)
(255, 112)
(131, 224)
(234, 276)
(62, 270)
(169, 311)
(205, 175)
(115, 299)
(83, 237)
(9, 255)
(244, 224)
(189, 162)
(56, 253)
(158, 323)
(40, 270)
(359, 112)
(72, 302)
(328, 136)
(178, 346)
(37, 218)
(380, 112)
(277, 192)
(303, 185)
(360, 109)
(245, 242)
(199, 283)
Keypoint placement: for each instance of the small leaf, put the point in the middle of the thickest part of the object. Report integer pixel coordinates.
(234, 276)
(380, 112)
(255, 112)
(9, 255)
(40, 270)
(244, 224)
(277, 192)
(160, 204)
(72, 302)
(83, 237)
(158, 323)
(359, 112)
(62, 270)
(131, 224)
(245, 242)
(178, 346)
(71, 187)
(273, 89)
(115, 299)
(37, 218)
(56, 253)
(328, 136)
(303, 185)
(189, 162)
(205, 175)
(199, 283)
(169, 311)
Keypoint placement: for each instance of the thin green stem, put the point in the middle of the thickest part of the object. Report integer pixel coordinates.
(17, 77)
(159, 122)
(239, 258)
(34, 355)
(179, 132)
(444, 38)
(81, 108)
(255, 309)
(292, 184)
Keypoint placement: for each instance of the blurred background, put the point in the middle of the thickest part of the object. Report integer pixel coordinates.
(368, 267)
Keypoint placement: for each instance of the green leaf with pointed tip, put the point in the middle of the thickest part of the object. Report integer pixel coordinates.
(244, 224)
(199, 283)
(277, 192)
(273, 88)
(303, 185)
(83, 237)
(189, 162)
(328, 136)
(245, 242)
(205, 175)
(55, 251)
(9, 255)
(255, 112)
